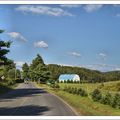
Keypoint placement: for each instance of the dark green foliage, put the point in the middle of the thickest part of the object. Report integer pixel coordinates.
(82, 92)
(77, 91)
(38, 70)
(107, 99)
(86, 75)
(55, 86)
(116, 101)
(96, 95)
(4, 51)
(25, 69)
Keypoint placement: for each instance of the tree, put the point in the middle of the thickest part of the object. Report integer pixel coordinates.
(107, 99)
(96, 95)
(3, 51)
(11, 76)
(18, 74)
(38, 70)
(25, 69)
(116, 101)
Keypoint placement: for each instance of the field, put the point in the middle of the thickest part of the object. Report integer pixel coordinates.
(111, 87)
(85, 105)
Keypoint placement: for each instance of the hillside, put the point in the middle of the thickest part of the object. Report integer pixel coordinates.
(85, 74)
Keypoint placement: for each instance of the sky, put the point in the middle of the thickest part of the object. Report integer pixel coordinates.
(65, 34)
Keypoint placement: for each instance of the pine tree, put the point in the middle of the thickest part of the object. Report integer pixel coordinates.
(38, 70)
(25, 69)
(3, 51)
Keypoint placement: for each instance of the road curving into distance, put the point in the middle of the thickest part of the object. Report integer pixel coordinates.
(28, 100)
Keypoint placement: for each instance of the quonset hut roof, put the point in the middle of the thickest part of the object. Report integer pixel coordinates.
(67, 76)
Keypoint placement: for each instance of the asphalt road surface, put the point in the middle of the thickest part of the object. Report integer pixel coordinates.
(27, 100)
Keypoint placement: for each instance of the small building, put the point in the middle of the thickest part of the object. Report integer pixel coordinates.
(69, 77)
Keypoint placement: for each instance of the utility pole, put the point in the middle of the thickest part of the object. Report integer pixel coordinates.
(15, 73)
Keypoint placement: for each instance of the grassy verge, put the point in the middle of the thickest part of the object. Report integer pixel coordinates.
(4, 88)
(84, 105)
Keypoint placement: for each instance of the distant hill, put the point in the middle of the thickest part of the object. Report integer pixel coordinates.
(85, 74)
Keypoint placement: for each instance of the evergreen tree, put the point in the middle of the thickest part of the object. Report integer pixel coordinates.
(38, 70)
(25, 69)
(3, 51)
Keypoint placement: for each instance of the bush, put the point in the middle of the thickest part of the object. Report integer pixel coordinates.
(81, 92)
(55, 86)
(96, 95)
(74, 91)
(69, 89)
(116, 101)
(107, 99)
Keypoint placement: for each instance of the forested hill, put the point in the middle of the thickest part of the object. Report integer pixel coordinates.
(85, 74)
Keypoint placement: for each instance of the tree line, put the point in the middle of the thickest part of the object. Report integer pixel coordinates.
(86, 75)
(40, 72)
(8, 72)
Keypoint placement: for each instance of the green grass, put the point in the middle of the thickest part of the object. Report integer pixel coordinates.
(89, 87)
(85, 105)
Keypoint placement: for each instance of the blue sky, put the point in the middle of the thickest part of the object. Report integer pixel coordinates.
(76, 35)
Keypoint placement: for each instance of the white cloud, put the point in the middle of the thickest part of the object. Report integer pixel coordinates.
(41, 44)
(16, 35)
(19, 63)
(102, 56)
(75, 54)
(100, 67)
(43, 10)
(92, 8)
(70, 5)
(117, 69)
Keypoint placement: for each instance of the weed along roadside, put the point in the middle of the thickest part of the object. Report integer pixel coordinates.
(97, 102)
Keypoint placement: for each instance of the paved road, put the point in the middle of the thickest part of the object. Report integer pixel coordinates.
(29, 100)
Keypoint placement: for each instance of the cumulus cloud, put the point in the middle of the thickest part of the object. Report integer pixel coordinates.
(43, 10)
(92, 8)
(41, 44)
(16, 35)
(75, 54)
(70, 5)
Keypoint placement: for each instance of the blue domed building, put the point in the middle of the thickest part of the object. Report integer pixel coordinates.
(70, 77)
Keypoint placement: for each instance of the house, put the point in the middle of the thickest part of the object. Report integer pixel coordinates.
(70, 77)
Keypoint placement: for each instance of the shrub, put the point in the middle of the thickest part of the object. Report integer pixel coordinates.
(107, 99)
(74, 90)
(55, 86)
(116, 101)
(70, 89)
(82, 92)
(96, 95)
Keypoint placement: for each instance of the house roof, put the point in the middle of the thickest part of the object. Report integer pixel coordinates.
(67, 76)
